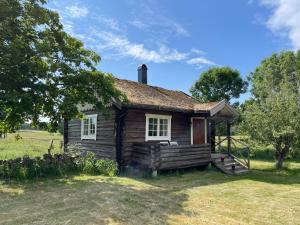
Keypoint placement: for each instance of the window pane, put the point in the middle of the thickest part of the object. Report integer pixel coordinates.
(152, 127)
(163, 127)
(92, 125)
(85, 126)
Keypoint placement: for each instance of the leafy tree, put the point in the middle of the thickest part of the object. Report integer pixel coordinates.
(273, 115)
(219, 83)
(44, 71)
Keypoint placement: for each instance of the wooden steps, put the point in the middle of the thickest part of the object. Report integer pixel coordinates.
(226, 165)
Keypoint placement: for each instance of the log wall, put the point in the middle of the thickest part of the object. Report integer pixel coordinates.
(135, 127)
(105, 144)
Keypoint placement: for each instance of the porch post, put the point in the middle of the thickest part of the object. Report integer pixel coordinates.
(213, 135)
(228, 137)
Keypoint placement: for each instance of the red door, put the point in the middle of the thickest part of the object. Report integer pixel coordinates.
(198, 131)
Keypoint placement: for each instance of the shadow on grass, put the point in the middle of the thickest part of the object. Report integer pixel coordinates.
(103, 200)
(89, 200)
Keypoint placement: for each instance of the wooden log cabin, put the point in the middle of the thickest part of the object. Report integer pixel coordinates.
(156, 128)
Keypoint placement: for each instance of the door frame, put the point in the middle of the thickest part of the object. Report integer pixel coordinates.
(205, 129)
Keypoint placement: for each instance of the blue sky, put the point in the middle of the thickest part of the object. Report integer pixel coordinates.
(179, 39)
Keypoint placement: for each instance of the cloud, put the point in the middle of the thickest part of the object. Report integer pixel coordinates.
(200, 61)
(76, 11)
(138, 24)
(124, 47)
(148, 15)
(109, 37)
(109, 22)
(197, 51)
(284, 19)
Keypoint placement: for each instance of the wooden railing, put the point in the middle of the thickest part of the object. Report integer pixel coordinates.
(240, 153)
(158, 157)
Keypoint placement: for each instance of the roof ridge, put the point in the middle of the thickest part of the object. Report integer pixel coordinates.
(136, 82)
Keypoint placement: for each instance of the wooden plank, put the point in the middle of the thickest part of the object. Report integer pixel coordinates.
(185, 158)
(175, 154)
(184, 150)
(183, 165)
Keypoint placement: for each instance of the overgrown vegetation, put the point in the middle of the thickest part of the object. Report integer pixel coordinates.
(71, 162)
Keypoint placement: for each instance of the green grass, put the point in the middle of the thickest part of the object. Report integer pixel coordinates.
(33, 143)
(264, 196)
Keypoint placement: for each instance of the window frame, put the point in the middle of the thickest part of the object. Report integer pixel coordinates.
(89, 136)
(158, 117)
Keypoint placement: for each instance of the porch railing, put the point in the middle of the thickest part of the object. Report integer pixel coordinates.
(157, 157)
(237, 149)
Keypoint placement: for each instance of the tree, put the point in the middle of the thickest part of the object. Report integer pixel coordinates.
(273, 115)
(219, 83)
(44, 72)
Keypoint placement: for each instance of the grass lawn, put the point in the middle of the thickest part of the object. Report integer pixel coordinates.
(33, 143)
(263, 196)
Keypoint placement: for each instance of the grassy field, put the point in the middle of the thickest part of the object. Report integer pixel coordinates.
(263, 196)
(33, 143)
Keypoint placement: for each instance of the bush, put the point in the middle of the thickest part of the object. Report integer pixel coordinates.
(89, 164)
(106, 167)
(100, 166)
(56, 165)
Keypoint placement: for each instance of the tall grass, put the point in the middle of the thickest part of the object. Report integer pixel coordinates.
(30, 142)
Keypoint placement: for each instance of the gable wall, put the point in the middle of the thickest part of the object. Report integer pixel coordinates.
(105, 144)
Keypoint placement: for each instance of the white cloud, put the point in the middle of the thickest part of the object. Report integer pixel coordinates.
(109, 22)
(76, 11)
(124, 47)
(108, 37)
(139, 24)
(200, 61)
(152, 17)
(285, 19)
(197, 51)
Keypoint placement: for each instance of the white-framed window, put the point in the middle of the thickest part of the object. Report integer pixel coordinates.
(158, 127)
(89, 127)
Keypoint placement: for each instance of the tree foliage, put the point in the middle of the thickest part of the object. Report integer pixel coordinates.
(43, 70)
(273, 115)
(219, 83)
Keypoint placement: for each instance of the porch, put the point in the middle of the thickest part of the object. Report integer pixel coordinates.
(158, 157)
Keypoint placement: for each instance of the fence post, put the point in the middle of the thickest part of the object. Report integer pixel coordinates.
(50, 147)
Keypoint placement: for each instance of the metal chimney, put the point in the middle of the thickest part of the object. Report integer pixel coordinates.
(142, 74)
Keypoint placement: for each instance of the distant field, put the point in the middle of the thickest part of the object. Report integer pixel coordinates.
(32, 143)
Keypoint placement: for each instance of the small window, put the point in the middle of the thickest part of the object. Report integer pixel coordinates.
(158, 127)
(89, 127)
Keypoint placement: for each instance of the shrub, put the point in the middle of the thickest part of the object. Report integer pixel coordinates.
(55, 165)
(89, 164)
(106, 167)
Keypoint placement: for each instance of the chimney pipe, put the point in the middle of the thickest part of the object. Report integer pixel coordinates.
(142, 74)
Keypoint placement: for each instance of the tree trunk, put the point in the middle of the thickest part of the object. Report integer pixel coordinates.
(280, 160)
(280, 156)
